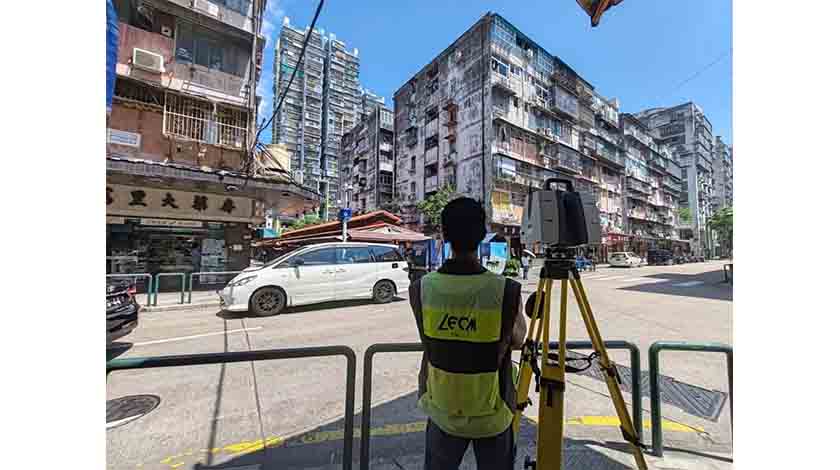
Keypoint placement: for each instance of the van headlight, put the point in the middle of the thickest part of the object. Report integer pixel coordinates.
(242, 282)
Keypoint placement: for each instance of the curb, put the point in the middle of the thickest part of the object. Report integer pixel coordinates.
(193, 306)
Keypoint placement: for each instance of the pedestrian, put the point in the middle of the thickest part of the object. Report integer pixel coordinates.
(469, 319)
(526, 265)
(195, 257)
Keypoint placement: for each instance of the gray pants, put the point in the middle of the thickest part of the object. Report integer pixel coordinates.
(444, 451)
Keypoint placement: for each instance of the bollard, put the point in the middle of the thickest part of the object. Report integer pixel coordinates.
(157, 284)
(655, 399)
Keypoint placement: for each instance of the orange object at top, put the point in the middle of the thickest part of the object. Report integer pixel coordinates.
(596, 8)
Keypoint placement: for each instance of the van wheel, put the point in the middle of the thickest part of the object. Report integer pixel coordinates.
(383, 292)
(268, 301)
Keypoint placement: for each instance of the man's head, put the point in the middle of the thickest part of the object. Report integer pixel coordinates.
(463, 221)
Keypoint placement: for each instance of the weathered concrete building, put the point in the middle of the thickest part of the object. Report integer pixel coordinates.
(367, 163)
(179, 176)
(687, 133)
(495, 114)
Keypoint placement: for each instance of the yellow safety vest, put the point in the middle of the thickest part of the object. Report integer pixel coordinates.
(462, 328)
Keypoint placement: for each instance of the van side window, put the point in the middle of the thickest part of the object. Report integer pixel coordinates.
(354, 255)
(384, 254)
(317, 257)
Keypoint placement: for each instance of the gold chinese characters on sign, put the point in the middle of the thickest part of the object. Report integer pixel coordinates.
(137, 201)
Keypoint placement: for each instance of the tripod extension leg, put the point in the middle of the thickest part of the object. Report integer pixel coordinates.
(552, 390)
(610, 372)
(523, 383)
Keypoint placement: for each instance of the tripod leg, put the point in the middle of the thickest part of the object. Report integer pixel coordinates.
(552, 388)
(523, 383)
(610, 373)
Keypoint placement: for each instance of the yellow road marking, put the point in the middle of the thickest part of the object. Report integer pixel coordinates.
(615, 422)
(247, 447)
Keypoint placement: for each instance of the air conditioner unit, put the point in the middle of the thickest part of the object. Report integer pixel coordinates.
(147, 60)
(299, 176)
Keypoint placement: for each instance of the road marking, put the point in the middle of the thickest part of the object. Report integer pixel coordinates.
(688, 284)
(635, 279)
(182, 338)
(615, 422)
(608, 278)
(249, 447)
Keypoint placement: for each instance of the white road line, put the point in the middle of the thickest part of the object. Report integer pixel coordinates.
(182, 338)
(636, 279)
(607, 278)
(688, 284)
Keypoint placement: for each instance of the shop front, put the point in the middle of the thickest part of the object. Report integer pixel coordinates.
(193, 224)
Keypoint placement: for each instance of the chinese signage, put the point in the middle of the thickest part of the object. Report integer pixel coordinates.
(172, 223)
(153, 203)
(130, 139)
(504, 210)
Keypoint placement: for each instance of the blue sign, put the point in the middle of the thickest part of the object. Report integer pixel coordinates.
(345, 214)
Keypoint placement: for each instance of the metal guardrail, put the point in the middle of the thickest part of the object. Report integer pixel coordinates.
(157, 285)
(149, 284)
(262, 355)
(367, 383)
(655, 399)
(199, 273)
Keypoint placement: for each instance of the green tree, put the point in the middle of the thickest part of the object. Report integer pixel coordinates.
(305, 221)
(721, 222)
(432, 206)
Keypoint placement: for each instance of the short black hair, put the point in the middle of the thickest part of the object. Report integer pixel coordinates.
(463, 222)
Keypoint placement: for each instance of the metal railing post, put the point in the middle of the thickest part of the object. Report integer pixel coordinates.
(134, 276)
(635, 375)
(157, 285)
(367, 384)
(655, 399)
(260, 355)
(199, 273)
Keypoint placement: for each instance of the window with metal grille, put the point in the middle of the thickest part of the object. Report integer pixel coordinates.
(194, 119)
(129, 90)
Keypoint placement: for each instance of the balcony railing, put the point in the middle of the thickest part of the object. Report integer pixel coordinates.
(502, 83)
(431, 183)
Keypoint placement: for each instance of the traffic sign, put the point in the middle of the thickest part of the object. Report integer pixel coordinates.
(345, 214)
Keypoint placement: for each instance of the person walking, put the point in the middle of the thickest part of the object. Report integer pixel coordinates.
(469, 319)
(526, 265)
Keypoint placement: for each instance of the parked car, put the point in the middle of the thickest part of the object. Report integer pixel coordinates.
(624, 258)
(319, 273)
(121, 309)
(660, 258)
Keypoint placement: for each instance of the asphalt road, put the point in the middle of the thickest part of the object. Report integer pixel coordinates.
(217, 416)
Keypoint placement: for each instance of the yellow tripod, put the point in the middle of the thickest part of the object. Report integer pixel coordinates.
(550, 371)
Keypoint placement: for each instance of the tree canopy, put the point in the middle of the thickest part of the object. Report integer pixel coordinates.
(432, 206)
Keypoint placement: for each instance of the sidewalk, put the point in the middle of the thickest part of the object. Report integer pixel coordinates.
(172, 301)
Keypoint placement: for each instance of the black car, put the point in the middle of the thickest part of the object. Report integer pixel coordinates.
(121, 310)
(660, 258)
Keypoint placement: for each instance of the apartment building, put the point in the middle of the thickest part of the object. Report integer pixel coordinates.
(722, 168)
(495, 114)
(369, 102)
(652, 188)
(687, 133)
(323, 103)
(179, 172)
(367, 163)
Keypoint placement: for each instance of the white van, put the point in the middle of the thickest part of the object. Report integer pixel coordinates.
(624, 258)
(319, 273)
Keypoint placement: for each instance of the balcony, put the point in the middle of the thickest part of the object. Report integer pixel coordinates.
(502, 83)
(386, 147)
(638, 186)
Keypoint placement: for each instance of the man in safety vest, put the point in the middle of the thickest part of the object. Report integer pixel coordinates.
(469, 319)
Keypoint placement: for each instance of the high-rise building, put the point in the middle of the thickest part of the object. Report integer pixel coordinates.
(722, 168)
(325, 104)
(686, 131)
(367, 163)
(496, 114)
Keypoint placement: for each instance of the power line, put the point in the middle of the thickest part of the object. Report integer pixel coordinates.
(703, 69)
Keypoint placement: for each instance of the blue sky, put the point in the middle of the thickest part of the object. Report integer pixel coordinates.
(645, 52)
